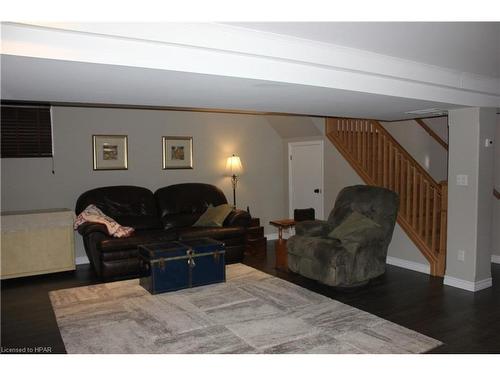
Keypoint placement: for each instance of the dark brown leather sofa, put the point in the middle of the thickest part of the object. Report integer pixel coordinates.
(166, 215)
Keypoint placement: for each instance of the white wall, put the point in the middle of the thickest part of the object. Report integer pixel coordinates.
(422, 147)
(439, 125)
(29, 183)
(470, 209)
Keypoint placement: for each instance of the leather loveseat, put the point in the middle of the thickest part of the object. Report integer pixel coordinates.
(166, 215)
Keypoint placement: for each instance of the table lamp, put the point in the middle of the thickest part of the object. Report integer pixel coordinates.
(234, 170)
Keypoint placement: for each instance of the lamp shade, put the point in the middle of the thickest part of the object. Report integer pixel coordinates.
(233, 166)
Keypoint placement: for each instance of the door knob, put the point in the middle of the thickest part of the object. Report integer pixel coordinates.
(317, 191)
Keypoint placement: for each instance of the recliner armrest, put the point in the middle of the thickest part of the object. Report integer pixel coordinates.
(369, 237)
(237, 218)
(312, 228)
(87, 228)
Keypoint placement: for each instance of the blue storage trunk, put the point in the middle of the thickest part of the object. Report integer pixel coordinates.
(175, 265)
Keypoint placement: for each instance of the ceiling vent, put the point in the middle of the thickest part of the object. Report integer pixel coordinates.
(268, 85)
(428, 111)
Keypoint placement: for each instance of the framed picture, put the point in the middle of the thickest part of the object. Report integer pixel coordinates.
(110, 152)
(177, 152)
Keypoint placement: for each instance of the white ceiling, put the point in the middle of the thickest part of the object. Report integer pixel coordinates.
(25, 78)
(219, 66)
(472, 47)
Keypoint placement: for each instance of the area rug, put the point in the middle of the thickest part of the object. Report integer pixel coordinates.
(252, 312)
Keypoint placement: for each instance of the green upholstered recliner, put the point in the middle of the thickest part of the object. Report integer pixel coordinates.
(357, 259)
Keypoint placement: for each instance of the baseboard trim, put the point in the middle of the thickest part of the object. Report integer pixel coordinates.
(408, 264)
(398, 262)
(471, 286)
(271, 236)
(274, 236)
(81, 260)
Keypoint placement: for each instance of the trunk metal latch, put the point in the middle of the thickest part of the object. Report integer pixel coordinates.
(191, 261)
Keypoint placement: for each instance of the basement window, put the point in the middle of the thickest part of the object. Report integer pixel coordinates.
(26, 131)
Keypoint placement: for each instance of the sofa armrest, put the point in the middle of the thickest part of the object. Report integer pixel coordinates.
(88, 228)
(312, 228)
(237, 218)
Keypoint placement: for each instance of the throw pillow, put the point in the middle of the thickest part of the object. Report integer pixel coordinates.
(352, 227)
(214, 216)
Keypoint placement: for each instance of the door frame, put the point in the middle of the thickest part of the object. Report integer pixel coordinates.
(319, 142)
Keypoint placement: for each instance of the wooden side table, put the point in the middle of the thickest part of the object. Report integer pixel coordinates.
(280, 248)
(256, 242)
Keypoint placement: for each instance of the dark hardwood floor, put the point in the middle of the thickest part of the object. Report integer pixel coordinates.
(466, 322)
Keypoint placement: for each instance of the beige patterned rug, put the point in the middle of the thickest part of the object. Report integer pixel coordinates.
(252, 312)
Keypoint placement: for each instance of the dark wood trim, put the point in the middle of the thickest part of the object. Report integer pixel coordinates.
(414, 118)
(256, 242)
(432, 133)
(164, 108)
(186, 109)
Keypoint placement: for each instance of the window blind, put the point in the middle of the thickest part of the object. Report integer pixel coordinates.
(26, 131)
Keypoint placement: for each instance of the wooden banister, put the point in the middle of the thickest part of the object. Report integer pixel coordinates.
(432, 133)
(378, 128)
(380, 160)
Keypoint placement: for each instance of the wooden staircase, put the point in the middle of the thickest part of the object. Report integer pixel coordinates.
(381, 161)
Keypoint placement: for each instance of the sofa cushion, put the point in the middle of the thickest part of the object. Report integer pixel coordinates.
(214, 216)
(119, 254)
(237, 218)
(181, 205)
(132, 206)
(140, 223)
(215, 233)
(138, 238)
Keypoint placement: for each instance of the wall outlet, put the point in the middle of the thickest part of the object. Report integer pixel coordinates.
(462, 180)
(461, 255)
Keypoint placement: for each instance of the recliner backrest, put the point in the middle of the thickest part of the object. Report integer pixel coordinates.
(181, 205)
(132, 206)
(379, 204)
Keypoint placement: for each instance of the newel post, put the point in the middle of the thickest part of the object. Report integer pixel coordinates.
(441, 264)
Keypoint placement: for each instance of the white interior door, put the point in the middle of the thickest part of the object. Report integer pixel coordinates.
(305, 173)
